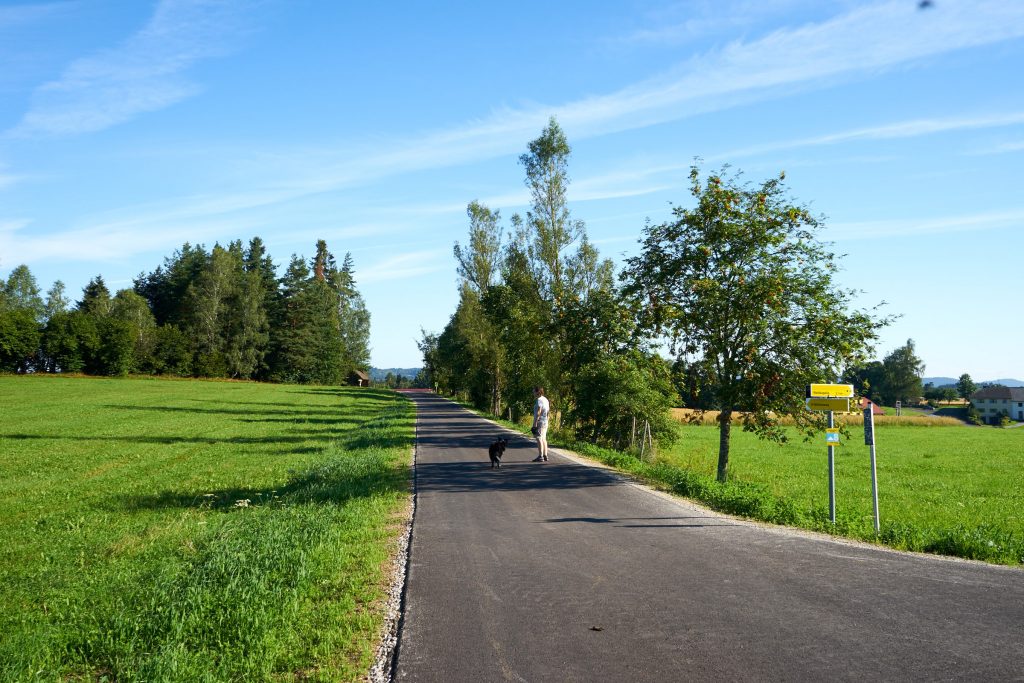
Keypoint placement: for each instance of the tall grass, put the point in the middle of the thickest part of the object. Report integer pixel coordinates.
(195, 531)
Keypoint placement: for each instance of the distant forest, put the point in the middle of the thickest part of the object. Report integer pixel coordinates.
(217, 313)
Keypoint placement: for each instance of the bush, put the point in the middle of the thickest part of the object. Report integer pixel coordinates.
(617, 391)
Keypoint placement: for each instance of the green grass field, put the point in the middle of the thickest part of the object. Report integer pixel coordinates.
(196, 531)
(953, 490)
(936, 477)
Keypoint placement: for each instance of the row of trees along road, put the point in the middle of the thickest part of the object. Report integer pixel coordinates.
(218, 313)
(738, 287)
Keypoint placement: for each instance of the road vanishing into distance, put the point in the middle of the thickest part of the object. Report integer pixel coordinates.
(562, 571)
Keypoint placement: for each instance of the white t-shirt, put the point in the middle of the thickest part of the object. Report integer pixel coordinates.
(540, 411)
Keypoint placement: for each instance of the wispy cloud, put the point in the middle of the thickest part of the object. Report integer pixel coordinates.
(892, 131)
(7, 179)
(149, 67)
(18, 15)
(144, 74)
(1002, 148)
(686, 22)
(408, 265)
(901, 227)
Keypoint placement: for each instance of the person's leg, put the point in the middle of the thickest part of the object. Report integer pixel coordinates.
(542, 442)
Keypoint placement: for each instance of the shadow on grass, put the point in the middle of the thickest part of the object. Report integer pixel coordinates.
(169, 440)
(297, 413)
(331, 483)
(350, 392)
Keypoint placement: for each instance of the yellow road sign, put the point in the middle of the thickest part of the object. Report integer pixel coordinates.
(832, 435)
(838, 405)
(829, 391)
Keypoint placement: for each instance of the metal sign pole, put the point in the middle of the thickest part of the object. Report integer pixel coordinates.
(831, 474)
(869, 438)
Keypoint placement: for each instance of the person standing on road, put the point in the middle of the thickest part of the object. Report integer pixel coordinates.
(541, 408)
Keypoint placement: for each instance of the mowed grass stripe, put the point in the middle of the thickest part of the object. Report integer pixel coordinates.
(176, 530)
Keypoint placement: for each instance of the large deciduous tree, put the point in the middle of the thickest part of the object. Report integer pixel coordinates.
(745, 292)
(902, 370)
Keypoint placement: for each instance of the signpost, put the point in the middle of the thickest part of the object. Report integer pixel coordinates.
(869, 440)
(830, 398)
(829, 391)
(840, 405)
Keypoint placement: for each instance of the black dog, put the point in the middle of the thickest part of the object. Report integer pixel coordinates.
(497, 450)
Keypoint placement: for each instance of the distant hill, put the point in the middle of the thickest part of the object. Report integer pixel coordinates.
(951, 381)
(378, 374)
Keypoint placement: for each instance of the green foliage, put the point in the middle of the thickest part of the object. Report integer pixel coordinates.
(196, 531)
(115, 354)
(902, 371)
(533, 310)
(172, 353)
(95, 298)
(965, 386)
(617, 394)
(56, 300)
(745, 293)
(220, 313)
(19, 339)
(20, 292)
(67, 340)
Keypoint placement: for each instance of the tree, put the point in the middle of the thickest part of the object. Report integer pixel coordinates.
(20, 292)
(19, 339)
(209, 299)
(869, 380)
(70, 340)
(552, 226)
(618, 391)
(478, 262)
(95, 298)
(133, 310)
(745, 291)
(353, 319)
(966, 387)
(56, 300)
(477, 265)
(546, 239)
(902, 370)
(166, 288)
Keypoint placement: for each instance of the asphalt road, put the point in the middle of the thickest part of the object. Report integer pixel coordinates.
(560, 571)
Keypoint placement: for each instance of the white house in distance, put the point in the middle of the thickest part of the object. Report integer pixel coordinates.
(991, 402)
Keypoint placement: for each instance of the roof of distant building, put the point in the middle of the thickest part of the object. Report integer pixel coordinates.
(1004, 393)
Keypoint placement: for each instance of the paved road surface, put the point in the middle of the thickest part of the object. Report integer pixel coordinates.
(563, 572)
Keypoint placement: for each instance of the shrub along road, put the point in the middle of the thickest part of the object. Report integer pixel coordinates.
(564, 571)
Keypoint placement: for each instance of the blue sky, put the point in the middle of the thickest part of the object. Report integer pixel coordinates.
(128, 128)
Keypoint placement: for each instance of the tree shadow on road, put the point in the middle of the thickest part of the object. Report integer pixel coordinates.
(473, 477)
(620, 522)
